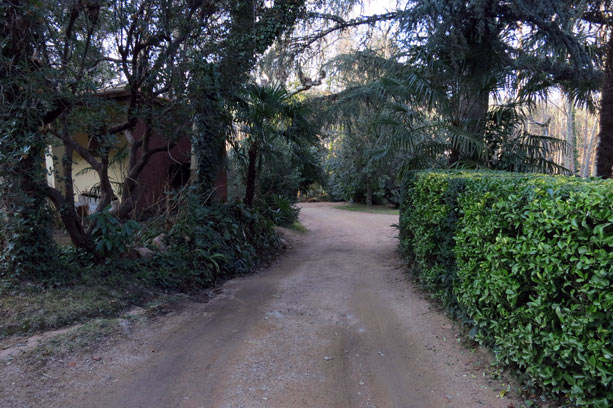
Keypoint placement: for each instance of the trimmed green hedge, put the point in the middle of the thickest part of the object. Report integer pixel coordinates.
(528, 261)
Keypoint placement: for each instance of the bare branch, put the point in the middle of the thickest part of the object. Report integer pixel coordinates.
(120, 127)
(84, 153)
(325, 16)
(306, 82)
(342, 25)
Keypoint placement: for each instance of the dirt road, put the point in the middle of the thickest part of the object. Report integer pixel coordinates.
(334, 323)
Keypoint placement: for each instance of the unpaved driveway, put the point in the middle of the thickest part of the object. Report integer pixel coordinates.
(334, 323)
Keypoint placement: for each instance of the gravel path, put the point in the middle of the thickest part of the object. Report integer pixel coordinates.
(334, 323)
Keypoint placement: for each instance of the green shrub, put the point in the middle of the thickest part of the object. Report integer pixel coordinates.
(428, 220)
(209, 243)
(111, 237)
(281, 211)
(530, 265)
(26, 243)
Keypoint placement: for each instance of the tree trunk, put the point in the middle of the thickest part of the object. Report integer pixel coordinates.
(588, 151)
(454, 156)
(472, 115)
(70, 218)
(209, 143)
(569, 158)
(249, 35)
(368, 192)
(25, 221)
(586, 138)
(251, 174)
(78, 236)
(604, 153)
(66, 206)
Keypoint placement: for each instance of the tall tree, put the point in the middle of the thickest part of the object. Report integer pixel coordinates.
(251, 27)
(470, 48)
(362, 162)
(58, 57)
(89, 48)
(604, 153)
(269, 113)
(25, 240)
(599, 14)
(571, 138)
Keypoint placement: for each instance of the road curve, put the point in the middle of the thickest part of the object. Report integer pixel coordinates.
(333, 323)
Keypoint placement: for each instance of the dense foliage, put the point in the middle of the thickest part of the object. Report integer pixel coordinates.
(101, 70)
(270, 117)
(274, 152)
(208, 244)
(528, 261)
(284, 169)
(361, 165)
(354, 174)
(204, 245)
(186, 68)
(461, 95)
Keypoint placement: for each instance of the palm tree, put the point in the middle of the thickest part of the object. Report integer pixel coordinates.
(473, 51)
(410, 112)
(463, 75)
(268, 113)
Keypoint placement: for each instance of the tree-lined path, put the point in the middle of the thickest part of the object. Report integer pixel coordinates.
(334, 323)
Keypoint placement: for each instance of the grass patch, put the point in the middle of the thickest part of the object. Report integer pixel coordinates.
(82, 338)
(375, 209)
(30, 308)
(85, 338)
(297, 226)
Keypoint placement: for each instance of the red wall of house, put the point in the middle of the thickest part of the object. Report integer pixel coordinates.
(154, 180)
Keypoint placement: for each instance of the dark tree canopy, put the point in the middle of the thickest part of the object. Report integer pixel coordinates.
(451, 82)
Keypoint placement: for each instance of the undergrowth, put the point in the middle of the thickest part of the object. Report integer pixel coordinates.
(206, 244)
